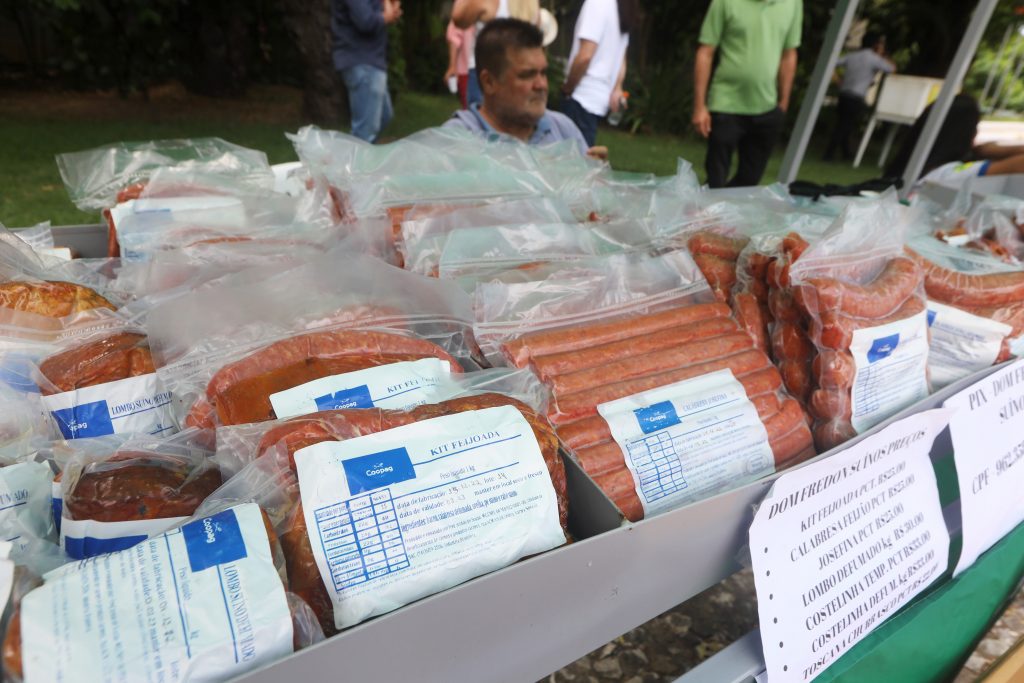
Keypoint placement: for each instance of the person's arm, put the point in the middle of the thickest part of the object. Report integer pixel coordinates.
(579, 66)
(701, 78)
(993, 150)
(787, 71)
(454, 37)
(599, 152)
(616, 96)
(466, 13)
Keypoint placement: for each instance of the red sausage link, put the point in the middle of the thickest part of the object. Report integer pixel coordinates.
(750, 317)
(877, 299)
(837, 330)
(834, 369)
(829, 404)
(712, 243)
(662, 361)
(720, 273)
(600, 458)
(547, 367)
(519, 351)
(828, 435)
(791, 448)
(964, 289)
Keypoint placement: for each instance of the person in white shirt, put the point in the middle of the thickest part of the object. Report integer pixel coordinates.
(859, 70)
(597, 62)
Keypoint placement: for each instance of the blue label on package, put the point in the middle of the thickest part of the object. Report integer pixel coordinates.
(82, 548)
(369, 472)
(656, 416)
(213, 540)
(931, 317)
(85, 420)
(883, 347)
(356, 397)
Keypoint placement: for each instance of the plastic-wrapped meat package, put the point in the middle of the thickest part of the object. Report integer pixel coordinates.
(239, 612)
(26, 518)
(485, 463)
(118, 491)
(474, 254)
(666, 202)
(638, 354)
(107, 178)
(975, 308)
(423, 232)
(105, 383)
(340, 330)
(865, 300)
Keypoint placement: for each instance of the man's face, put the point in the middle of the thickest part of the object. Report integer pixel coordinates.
(520, 94)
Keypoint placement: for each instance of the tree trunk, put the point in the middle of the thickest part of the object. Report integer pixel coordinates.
(309, 24)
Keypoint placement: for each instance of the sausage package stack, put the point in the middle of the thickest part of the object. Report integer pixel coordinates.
(377, 508)
(341, 330)
(865, 300)
(660, 394)
(975, 308)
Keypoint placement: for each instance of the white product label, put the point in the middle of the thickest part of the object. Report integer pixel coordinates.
(891, 369)
(142, 224)
(63, 253)
(82, 538)
(842, 544)
(398, 385)
(961, 343)
(134, 405)
(25, 502)
(405, 513)
(987, 430)
(203, 602)
(689, 439)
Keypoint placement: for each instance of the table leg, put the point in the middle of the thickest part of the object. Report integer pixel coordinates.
(864, 141)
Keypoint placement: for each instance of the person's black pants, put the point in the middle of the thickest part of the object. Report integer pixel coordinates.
(584, 120)
(849, 111)
(752, 136)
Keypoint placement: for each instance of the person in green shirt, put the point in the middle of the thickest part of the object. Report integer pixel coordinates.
(756, 43)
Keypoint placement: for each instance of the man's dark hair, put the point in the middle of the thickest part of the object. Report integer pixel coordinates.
(500, 35)
(871, 39)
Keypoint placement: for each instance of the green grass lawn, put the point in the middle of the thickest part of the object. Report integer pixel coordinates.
(35, 128)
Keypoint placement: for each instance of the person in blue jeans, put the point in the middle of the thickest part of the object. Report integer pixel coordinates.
(359, 49)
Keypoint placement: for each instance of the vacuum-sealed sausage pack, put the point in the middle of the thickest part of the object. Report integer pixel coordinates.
(377, 508)
(865, 300)
(975, 308)
(660, 394)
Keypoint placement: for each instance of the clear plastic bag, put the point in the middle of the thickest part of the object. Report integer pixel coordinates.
(95, 177)
(424, 232)
(287, 329)
(865, 302)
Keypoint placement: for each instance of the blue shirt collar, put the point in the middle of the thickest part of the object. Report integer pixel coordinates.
(542, 130)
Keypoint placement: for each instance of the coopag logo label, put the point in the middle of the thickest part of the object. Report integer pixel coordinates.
(87, 419)
(883, 347)
(356, 397)
(656, 416)
(213, 540)
(369, 472)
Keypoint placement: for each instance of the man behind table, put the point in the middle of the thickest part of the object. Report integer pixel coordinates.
(513, 77)
(756, 42)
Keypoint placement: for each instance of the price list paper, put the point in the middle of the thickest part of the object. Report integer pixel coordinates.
(987, 429)
(840, 545)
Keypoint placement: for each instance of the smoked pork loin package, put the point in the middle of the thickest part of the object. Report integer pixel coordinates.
(341, 330)
(378, 508)
(115, 492)
(204, 601)
(865, 300)
(660, 394)
(975, 308)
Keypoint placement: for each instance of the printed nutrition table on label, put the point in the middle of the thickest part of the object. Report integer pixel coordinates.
(361, 539)
(658, 466)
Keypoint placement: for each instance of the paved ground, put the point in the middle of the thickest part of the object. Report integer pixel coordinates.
(671, 644)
